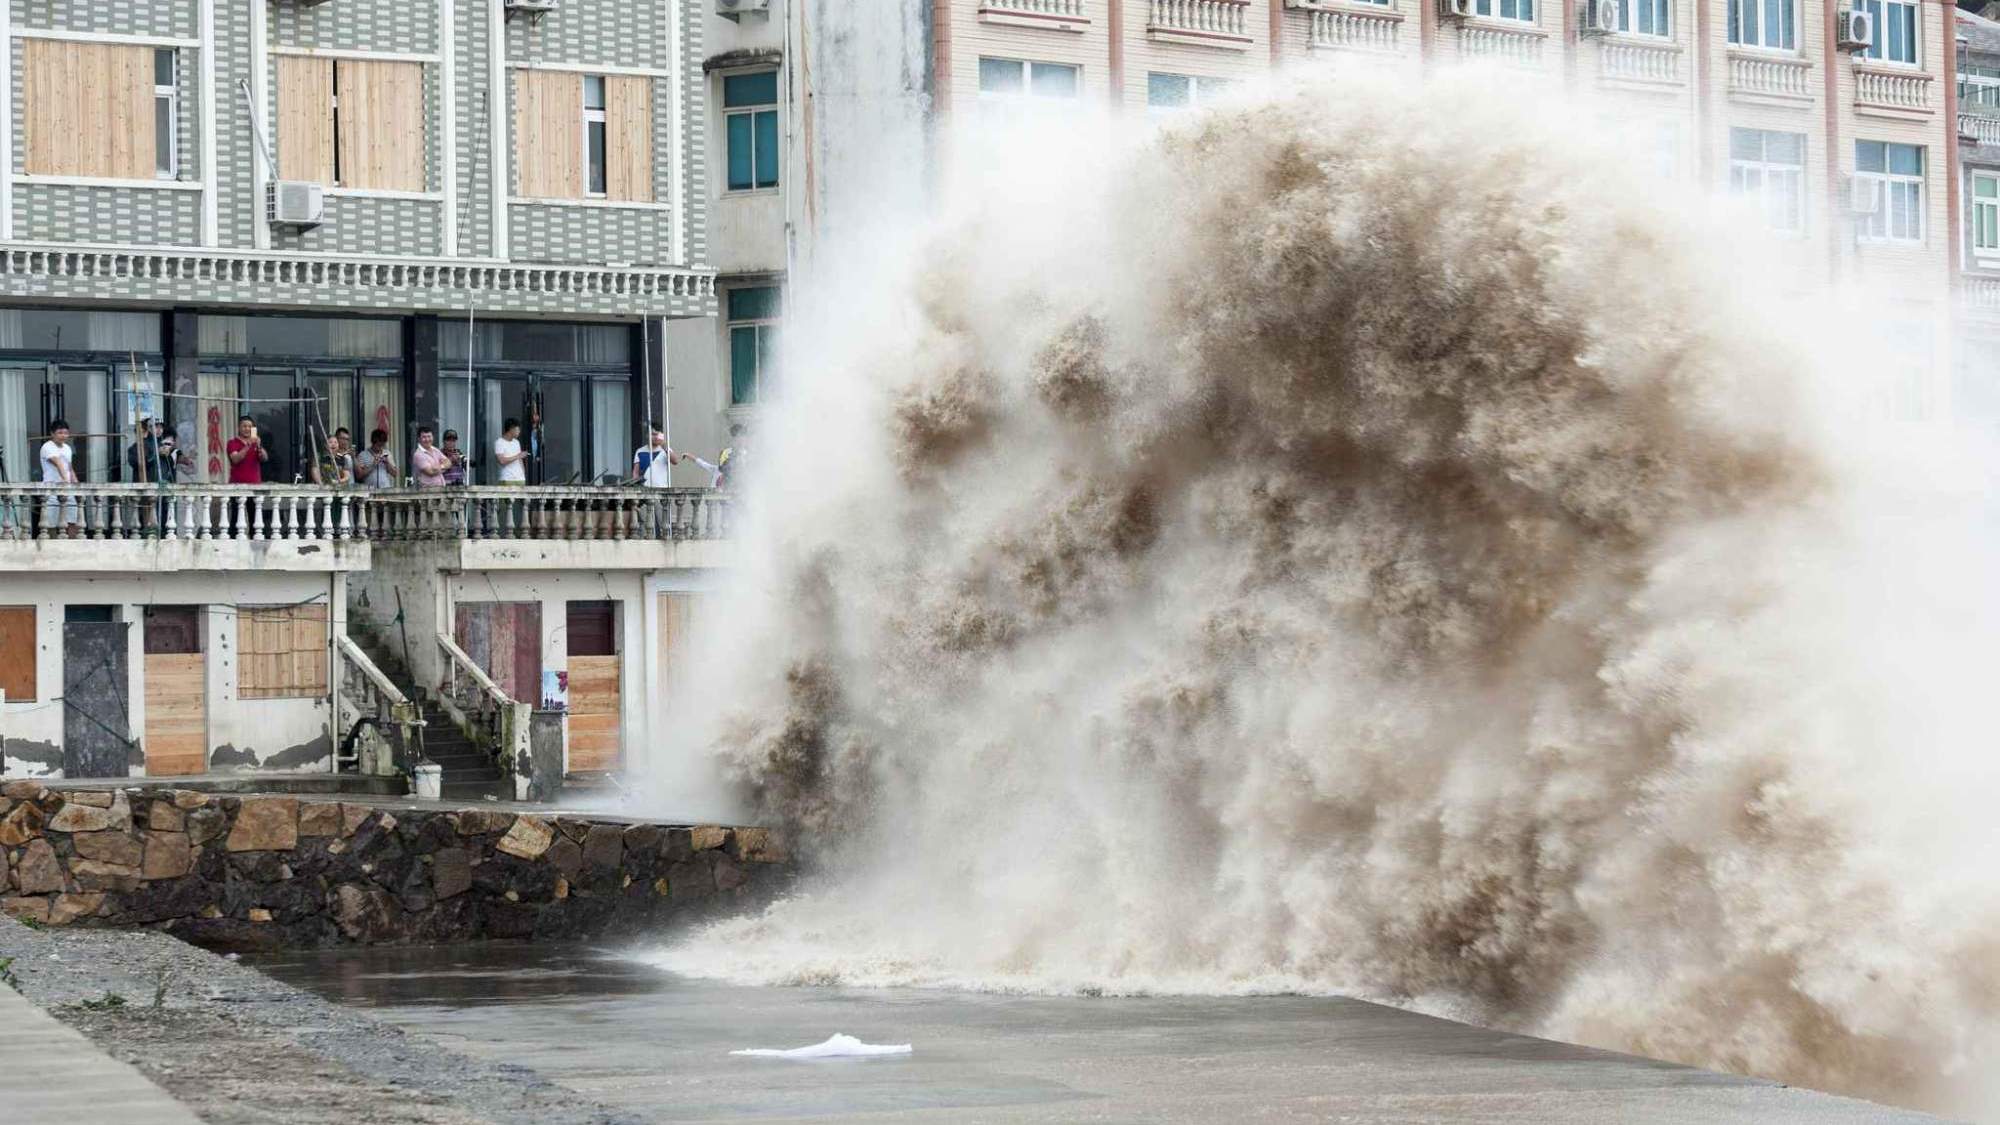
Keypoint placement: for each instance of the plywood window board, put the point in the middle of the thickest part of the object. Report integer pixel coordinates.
(353, 123)
(87, 109)
(17, 652)
(548, 133)
(305, 119)
(628, 138)
(593, 713)
(281, 652)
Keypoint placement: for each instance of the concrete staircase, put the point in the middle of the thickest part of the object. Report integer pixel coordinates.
(470, 771)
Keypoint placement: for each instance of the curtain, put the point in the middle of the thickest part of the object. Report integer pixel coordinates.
(20, 461)
(455, 413)
(364, 339)
(610, 428)
(382, 409)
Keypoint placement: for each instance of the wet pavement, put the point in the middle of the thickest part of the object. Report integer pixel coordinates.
(657, 1046)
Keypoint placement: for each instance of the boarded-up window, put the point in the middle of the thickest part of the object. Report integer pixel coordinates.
(351, 122)
(17, 651)
(592, 628)
(88, 109)
(281, 652)
(628, 138)
(548, 133)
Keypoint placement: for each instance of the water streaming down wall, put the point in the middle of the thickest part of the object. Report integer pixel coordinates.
(1371, 543)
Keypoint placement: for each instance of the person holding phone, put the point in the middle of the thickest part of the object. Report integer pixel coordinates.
(247, 453)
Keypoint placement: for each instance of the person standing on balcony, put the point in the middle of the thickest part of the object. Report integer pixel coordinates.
(336, 468)
(375, 466)
(59, 467)
(454, 472)
(427, 461)
(155, 469)
(653, 463)
(247, 453)
(507, 454)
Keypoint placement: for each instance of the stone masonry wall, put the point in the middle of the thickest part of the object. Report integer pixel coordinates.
(273, 872)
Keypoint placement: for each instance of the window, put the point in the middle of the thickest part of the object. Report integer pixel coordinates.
(1979, 86)
(166, 113)
(1772, 24)
(351, 123)
(1895, 30)
(593, 136)
(1523, 10)
(1986, 214)
(281, 652)
(750, 122)
(1644, 17)
(1770, 168)
(17, 652)
(88, 109)
(753, 340)
(1018, 78)
(1165, 92)
(1894, 179)
(582, 136)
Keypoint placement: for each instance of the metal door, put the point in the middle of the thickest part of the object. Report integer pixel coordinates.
(97, 723)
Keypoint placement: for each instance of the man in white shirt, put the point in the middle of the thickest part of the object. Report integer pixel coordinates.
(58, 467)
(507, 454)
(653, 463)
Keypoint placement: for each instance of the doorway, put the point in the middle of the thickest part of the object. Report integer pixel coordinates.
(594, 675)
(176, 681)
(97, 724)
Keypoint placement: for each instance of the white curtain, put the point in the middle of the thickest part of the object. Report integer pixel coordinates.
(455, 413)
(610, 428)
(20, 462)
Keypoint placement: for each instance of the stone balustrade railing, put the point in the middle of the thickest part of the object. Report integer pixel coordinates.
(573, 513)
(1893, 90)
(1979, 129)
(1501, 44)
(392, 740)
(489, 715)
(1355, 31)
(1758, 76)
(1035, 9)
(184, 511)
(1621, 60)
(1981, 292)
(1203, 21)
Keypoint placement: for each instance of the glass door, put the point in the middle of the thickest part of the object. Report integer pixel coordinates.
(273, 406)
(500, 397)
(561, 437)
(83, 399)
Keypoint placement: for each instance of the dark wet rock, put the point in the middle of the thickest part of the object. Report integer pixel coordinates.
(451, 873)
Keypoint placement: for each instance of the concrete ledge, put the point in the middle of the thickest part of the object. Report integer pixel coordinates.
(53, 1075)
(77, 555)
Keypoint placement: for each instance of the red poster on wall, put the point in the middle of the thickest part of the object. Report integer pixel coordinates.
(215, 443)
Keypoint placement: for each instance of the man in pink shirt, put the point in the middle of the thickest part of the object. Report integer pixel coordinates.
(247, 454)
(428, 462)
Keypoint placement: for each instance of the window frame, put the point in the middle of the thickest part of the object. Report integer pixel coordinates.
(1889, 181)
(167, 149)
(1878, 52)
(1663, 8)
(1027, 93)
(755, 112)
(1765, 169)
(1733, 20)
(1491, 10)
(1989, 256)
(764, 330)
(596, 176)
(1201, 88)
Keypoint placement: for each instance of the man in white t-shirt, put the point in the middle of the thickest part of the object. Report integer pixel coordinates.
(58, 467)
(653, 463)
(507, 454)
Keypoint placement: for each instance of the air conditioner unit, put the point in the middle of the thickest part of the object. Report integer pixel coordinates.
(533, 9)
(735, 9)
(1864, 196)
(1857, 29)
(1599, 17)
(1455, 9)
(297, 203)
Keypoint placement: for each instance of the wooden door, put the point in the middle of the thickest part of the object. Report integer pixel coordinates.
(676, 639)
(594, 674)
(505, 640)
(176, 738)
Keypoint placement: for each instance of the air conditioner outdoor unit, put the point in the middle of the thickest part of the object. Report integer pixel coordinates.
(1600, 17)
(732, 9)
(533, 9)
(297, 203)
(1455, 9)
(1857, 29)
(1864, 197)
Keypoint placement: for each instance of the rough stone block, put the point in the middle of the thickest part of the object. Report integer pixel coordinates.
(205, 824)
(528, 838)
(37, 871)
(708, 836)
(111, 847)
(185, 799)
(162, 816)
(565, 856)
(351, 817)
(163, 899)
(451, 872)
(30, 909)
(26, 790)
(689, 881)
(728, 876)
(319, 819)
(259, 914)
(64, 909)
(96, 799)
(367, 914)
(74, 817)
(93, 875)
(260, 867)
(168, 855)
(23, 824)
(479, 822)
(265, 824)
(759, 845)
(604, 846)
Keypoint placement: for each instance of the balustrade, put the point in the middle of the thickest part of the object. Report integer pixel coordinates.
(1355, 31)
(1047, 9)
(1979, 128)
(1892, 90)
(1501, 44)
(1770, 77)
(392, 740)
(1623, 61)
(1204, 19)
(202, 512)
(494, 512)
(491, 717)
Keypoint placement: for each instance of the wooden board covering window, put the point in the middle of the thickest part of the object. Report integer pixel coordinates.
(628, 138)
(381, 125)
(176, 737)
(593, 713)
(676, 640)
(548, 133)
(305, 119)
(505, 640)
(88, 109)
(281, 652)
(17, 651)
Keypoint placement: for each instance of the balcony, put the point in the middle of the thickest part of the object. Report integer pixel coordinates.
(1639, 63)
(1201, 23)
(1770, 79)
(1979, 129)
(1981, 293)
(493, 527)
(1049, 15)
(1516, 47)
(126, 527)
(1892, 93)
(1377, 32)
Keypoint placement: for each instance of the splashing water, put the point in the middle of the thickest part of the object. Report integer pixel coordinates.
(1362, 542)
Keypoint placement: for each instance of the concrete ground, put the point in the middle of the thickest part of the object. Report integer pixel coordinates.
(657, 1048)
(51, 1075)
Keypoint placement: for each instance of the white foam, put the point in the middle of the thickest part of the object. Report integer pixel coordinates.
(836, 1047)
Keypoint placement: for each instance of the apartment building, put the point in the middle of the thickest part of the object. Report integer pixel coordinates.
(1976, 386)
(324, 214)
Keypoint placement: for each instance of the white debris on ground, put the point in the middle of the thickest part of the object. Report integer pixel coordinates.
(837, 1047)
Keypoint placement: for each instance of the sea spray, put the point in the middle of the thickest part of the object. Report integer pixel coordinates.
(1371, 542)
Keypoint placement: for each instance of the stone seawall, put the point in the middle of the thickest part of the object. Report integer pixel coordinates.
(301, 871)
